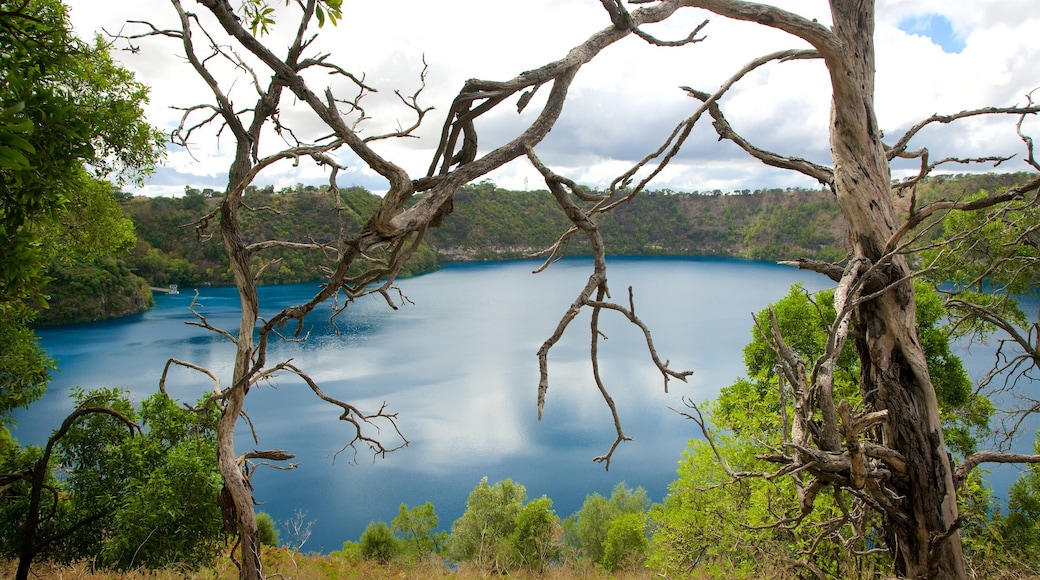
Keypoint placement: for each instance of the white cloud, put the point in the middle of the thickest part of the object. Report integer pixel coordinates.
(626, 101)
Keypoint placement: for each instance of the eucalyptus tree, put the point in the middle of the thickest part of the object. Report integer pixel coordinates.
(120, 486)
(888, 451)
(69, 119)
(363, 262)
(763, 525)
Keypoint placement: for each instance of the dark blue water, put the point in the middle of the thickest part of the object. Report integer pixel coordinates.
(458, 365)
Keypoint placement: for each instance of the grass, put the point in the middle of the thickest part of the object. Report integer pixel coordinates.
(289, 565)
(283, 564)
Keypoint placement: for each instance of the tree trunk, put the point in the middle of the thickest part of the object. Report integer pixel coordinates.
(235, 483)
(894, 371)
(238, 494)
(32, 518)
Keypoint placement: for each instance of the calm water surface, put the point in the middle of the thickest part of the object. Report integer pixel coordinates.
(457, 363)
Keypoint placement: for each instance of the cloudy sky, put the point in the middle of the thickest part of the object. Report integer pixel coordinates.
(933, 56)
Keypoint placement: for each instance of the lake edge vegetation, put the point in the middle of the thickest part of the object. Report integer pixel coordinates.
(866, 461)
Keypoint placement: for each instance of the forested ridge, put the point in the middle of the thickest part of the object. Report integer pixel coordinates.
(489, 223)
(852, 447)
(493, 224)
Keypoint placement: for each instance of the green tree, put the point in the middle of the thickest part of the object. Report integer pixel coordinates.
(986, 262)
(500, 530)
(481, 534)
(128, 496)
(351, 552)
(1020, 529)
(24, 366)
(626, 542)
(378, 542)
(33, 505)
(725, 515)
(751, 406)
(749, 528)
(69, 118)
(534, 538)
(587, 529)
(74, 109)
(167, 511)
(268, 531)
(416, 527)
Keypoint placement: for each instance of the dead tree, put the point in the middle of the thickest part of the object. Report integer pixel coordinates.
(896, 439)
(890, 453)
(393, 231)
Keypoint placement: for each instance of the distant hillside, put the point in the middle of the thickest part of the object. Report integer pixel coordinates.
(491, 223)
(488, 223)
(169, 251)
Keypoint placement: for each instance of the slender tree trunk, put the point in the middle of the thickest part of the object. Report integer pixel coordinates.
(241, 498)
(894, 371)
(32, 518)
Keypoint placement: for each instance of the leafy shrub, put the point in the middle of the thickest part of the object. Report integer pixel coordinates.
(268, 532)
(626, 542)
(498, 531)
(378, 542)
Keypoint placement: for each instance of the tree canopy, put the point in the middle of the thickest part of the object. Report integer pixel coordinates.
(875, 433)
(69, 118)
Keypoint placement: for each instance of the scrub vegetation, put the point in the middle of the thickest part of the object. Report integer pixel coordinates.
(850, 450)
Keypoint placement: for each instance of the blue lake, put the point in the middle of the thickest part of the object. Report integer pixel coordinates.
(457, 362)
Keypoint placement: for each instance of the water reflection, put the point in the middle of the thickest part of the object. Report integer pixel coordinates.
(458, 365)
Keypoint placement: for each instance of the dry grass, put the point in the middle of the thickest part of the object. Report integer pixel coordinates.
(286, 565)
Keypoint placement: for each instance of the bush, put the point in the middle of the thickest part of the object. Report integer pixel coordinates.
(268, 533)
(378, 542)
(498, 531)
(534, 534)
(351, 552)
(588, 529)
(626, 542)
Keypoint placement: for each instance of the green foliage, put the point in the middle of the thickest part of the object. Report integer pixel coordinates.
(416, 526)
(965, 415)
(480, 534)
(728, 529)
(492, 223)
(588, 529)
(66, 106)
(168, 253)
(989, 259)
(69, 118)
(14, 502)
(533, 538)
(1020, 529)
(378, 542)
(24, 366)
(724, 527)
(751, 406)
(351, 552)
(162, 485)
(267, 529)
(487, 223)
(96, 290)
(626, 542)
(260, 16)
(14, 147)
(123, 500)
(498, 531)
